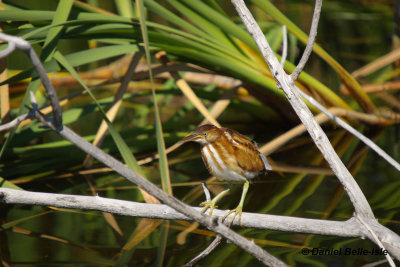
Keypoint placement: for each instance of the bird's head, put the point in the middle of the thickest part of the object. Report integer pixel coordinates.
(204, 134)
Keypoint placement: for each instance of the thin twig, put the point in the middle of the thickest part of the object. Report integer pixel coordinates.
(213, 245)
(373, 264)
(11, 47)
(284, 45)
(310, 43)
(19, 119)
(371, 144)
(23, 45)
(15, 122)
(377, 240)
(206, 191)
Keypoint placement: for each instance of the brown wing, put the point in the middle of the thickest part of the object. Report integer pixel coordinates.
(247, 155)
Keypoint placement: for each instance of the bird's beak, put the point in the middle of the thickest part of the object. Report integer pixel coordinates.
(191, 137)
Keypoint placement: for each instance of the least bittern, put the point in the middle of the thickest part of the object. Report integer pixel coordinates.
(229, 156)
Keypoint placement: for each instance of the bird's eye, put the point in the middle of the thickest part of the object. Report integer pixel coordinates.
(205, 134)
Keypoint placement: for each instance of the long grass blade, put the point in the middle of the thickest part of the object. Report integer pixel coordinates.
(6, 184)
(124, 8)
(121, 145)
(164, 169)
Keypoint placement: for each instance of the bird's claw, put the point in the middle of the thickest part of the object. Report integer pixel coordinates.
(237, 211)
(208, 205)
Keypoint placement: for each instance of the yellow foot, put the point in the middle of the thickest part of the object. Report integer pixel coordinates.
(237, 211)
(208, 205)
(211, 204)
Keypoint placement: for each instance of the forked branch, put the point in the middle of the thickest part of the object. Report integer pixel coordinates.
(21, 44)
(286, 83)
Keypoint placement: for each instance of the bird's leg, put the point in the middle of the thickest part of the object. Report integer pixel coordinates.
(212, 204)
(239, 208)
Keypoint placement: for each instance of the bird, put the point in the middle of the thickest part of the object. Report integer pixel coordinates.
(229, 156)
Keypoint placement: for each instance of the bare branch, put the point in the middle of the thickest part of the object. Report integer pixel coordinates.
(375, 231)
(15, 122)
(152, 189)
(349, 228)
(217, 240)
(351, 130)
(286, 83)
(206, 191)
(11, 47)
(23, 45)
(23, 117)
(377, 240)
(284, 45)
(205, 252)
(310, 43)
(117, 101)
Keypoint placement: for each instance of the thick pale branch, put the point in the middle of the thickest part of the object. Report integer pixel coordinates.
(348, 228)
(285, 83)
(152, 189)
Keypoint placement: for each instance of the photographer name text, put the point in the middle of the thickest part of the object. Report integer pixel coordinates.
(343, 251)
